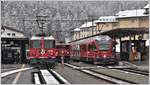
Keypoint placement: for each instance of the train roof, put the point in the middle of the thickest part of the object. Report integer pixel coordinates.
(88, 40)
(45, 38)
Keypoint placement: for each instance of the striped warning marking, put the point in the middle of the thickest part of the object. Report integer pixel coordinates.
(36, 78)
(48, 77)
(60, 77)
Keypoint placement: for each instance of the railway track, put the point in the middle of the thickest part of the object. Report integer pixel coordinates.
(48, 76)
(108, 78)
(129, 69)
(136, 71)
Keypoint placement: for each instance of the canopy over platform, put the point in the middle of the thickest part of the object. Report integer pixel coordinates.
(124, 32)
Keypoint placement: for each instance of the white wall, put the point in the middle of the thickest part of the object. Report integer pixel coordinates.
(17, 34)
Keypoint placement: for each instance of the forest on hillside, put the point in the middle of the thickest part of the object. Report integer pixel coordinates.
(63, 15)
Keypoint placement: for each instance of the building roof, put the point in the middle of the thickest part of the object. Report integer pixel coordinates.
(131, 13)
(10, 28)
(147, 6)
(76, 29)
(88, 24)
(106, 19)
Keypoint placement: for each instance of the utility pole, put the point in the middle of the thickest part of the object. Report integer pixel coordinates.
(92, 26)
(41, 21)
(23, 23)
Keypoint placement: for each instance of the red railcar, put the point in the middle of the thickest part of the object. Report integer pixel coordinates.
(42, 51)
(98, 50)
(63, 51)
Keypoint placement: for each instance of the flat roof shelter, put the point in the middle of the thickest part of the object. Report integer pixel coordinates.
(126, 32)
(120, 33)
(13, 41)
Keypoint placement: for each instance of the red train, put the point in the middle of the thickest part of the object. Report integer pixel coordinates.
(63, 51)
(42, 51)
(98, 50)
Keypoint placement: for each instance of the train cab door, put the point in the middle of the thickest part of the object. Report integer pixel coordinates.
(92, 51)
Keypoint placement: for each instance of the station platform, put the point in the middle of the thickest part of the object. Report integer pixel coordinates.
(143, 65)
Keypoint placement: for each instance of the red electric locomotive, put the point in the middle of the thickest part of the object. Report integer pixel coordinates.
(98, 50)
(42, 51)
(63, 51)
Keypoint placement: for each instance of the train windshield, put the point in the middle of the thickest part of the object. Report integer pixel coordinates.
(103, 45)
(49, 44)
(36, 43)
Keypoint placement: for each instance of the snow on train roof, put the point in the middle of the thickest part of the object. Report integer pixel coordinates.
(99, 38)
(39, 38)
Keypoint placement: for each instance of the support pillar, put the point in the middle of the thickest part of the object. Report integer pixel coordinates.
(114, 47)
(22, 52)
(120, 47)
(130, 49)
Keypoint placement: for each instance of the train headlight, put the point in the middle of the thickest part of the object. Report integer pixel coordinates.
(104, 56)
(67, 52)
(56, 53)
(62, 51)
(51, 51)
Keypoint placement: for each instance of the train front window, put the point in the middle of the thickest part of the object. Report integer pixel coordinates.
(36, 43)
(49, 44)
(104, 47)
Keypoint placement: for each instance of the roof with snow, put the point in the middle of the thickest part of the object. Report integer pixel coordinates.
(131, 13)
(106, 19)
(76, 29)
(88, 24)
(147, 6)
(39, 38)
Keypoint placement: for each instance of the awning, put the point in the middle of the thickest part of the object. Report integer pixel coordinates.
(124, 32)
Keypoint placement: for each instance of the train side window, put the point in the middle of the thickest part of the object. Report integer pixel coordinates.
(92, 48)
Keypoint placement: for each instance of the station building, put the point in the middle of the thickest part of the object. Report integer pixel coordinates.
(130, 28)
(76, 33)
(13, 45)
(87, 29)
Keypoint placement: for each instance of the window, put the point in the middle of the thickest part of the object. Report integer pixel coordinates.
(107, 25)
(8, 34)
(49, 44)
(143, 19)
(92, 48)
(132, 20)
(13, 34)
(104, 45)
(36, 43)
